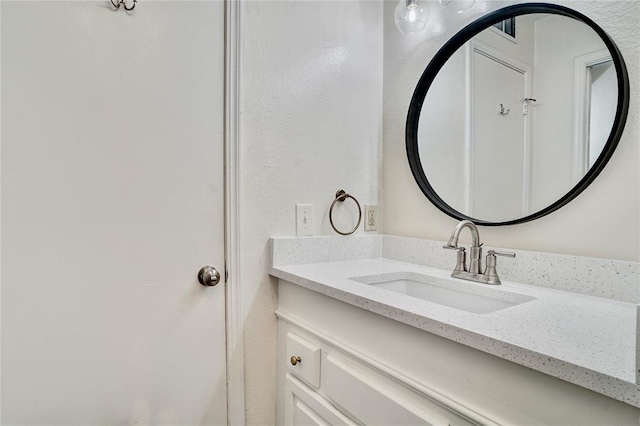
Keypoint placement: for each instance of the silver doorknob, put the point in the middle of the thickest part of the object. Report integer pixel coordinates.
(208, 276)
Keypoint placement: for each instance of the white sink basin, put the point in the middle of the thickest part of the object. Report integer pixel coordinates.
(458, 294)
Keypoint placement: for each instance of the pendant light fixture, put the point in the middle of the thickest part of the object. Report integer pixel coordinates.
(410, 16)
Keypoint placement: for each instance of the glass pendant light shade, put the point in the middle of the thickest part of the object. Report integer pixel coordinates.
(457, 6)
(410, 16)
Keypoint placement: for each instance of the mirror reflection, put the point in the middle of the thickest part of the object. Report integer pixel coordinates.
(517, 116)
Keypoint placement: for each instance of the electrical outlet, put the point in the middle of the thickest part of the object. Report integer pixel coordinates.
(370, 218)
(304, 219)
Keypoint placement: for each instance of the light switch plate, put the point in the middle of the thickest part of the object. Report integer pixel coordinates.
(304, 220)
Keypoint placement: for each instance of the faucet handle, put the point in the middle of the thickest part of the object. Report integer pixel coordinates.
(448, 247)
(490, 271)
(461, 258)
(501, 253)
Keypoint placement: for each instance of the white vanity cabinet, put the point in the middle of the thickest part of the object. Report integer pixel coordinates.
(357, 367)
(349, 391)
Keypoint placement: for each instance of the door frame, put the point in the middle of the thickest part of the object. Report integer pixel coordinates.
(234, 315)
(581, 102)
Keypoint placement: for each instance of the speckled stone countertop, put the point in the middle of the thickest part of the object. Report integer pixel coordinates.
(585, 340)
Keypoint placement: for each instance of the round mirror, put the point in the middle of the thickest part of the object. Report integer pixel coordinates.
(517, 114)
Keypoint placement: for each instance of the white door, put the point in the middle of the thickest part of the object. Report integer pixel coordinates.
(498, 137)
(112, 200)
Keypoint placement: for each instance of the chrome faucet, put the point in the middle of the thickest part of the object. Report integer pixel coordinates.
(476, 247)
(473, 273)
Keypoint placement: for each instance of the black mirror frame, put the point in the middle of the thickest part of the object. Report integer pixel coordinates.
(458, 41)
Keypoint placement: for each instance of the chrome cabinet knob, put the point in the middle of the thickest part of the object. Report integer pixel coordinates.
(208, 276)
(295, 360)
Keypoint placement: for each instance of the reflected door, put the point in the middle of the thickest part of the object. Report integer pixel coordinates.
(112, 200)
(497, 137)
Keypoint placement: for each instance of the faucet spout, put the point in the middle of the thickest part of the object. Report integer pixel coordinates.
(474, 272)
(475, 266)
(455, 235)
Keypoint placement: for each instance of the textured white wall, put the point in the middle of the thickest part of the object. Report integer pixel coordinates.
(604, 221)
(443, 127)
(311, 123)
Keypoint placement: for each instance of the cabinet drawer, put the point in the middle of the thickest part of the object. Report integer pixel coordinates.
(375, 399)
(308, 366)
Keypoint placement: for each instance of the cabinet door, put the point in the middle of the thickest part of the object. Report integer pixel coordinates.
(304, 406)
(302, 414)
(373, 399)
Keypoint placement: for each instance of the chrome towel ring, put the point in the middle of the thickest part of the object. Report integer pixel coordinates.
(341, 196)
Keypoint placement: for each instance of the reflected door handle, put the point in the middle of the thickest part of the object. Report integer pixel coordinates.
(208, 276)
